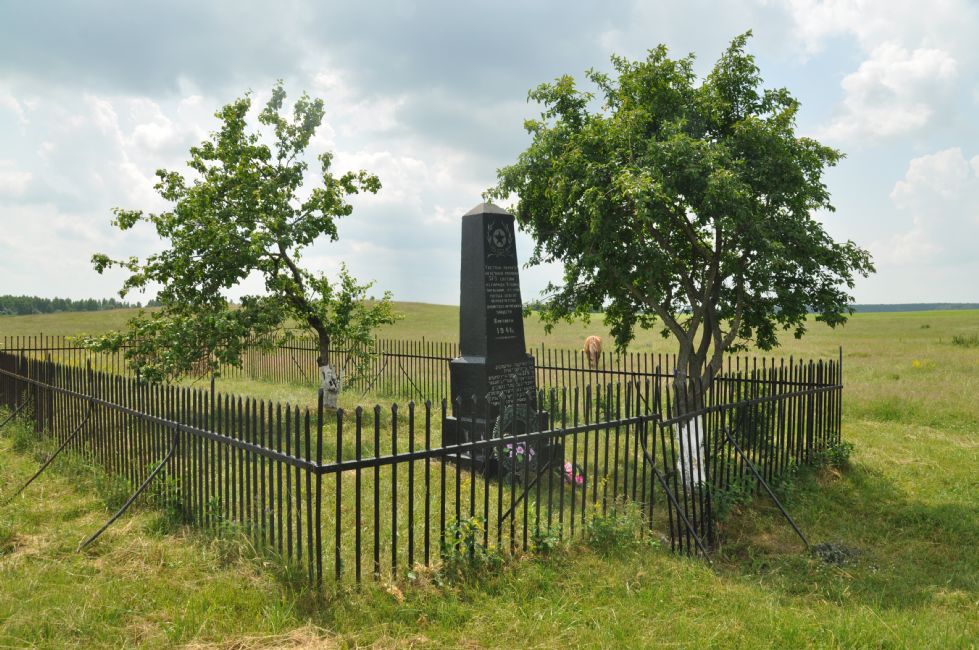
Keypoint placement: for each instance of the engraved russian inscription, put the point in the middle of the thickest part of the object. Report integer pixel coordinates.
(503, 307)
(512, 383)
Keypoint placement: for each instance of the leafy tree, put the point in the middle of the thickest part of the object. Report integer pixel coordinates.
(687, 202)
(241, 213)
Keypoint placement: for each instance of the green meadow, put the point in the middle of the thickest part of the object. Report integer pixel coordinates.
(906, 508)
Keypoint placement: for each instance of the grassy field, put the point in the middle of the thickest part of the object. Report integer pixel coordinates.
(908, 504)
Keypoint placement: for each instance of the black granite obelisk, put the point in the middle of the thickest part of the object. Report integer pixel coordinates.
(494, 370)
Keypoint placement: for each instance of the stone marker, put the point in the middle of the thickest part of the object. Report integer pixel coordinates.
(330, 383)
(494, 362)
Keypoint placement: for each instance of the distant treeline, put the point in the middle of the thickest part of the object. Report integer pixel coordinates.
(26, 305)
(537, 305)
(917, 306)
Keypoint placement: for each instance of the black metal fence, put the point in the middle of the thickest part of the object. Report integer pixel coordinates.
(375, 492)
(415, 370)
(419, 370)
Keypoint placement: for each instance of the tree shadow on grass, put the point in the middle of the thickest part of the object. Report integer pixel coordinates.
(906, 552)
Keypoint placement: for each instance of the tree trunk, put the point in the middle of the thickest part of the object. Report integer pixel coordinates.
(689, 393)
(329, 379)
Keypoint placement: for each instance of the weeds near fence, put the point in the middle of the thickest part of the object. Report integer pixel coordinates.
(164, 494)
(836, 455)
(786, 484)
(614, 531)
(545, 542)
(465, 556)
(729, 498)
(23, 439)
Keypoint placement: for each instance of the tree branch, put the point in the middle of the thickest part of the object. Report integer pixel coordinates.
(671, 322)
(299, 301)
(691, 234)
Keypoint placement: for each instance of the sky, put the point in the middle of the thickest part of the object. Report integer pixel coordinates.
(95, 96)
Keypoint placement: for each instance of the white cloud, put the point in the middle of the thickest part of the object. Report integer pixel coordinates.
(894, 92)
(406, 181)
(138, 186)
(45, 149)
(350, 109)
(944, 175)
(153, 129)
(104, 116)
(939, 23)
(403, 178)
(915, 56)
(10, 103)
(815, 21)
(684, 29)
(440, 216)
(13, 182)
(938, 200)
(63, 242)
(134, 136)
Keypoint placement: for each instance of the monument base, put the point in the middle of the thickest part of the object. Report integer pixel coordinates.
(485, 460)
(477, 383)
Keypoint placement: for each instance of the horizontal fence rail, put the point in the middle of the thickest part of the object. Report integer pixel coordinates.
(411, 370)
(419, 370)
(375, 492)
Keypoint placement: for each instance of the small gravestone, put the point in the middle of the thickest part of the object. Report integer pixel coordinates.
(493, 373)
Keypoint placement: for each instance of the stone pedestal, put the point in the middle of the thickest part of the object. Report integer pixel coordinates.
(494, 373)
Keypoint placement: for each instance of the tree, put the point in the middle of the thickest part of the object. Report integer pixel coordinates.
(691, 203)
(241, 214)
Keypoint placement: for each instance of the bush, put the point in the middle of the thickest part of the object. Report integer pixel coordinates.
(837, 455)
(786, 483)
(23, 439)
(464, 556)
(613, 532)
(726, 500)
(22, 433)
(545, 542)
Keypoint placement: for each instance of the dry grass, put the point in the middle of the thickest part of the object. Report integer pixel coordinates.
(306, 637)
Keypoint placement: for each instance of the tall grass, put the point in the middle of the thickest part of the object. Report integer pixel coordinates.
(966, 341)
